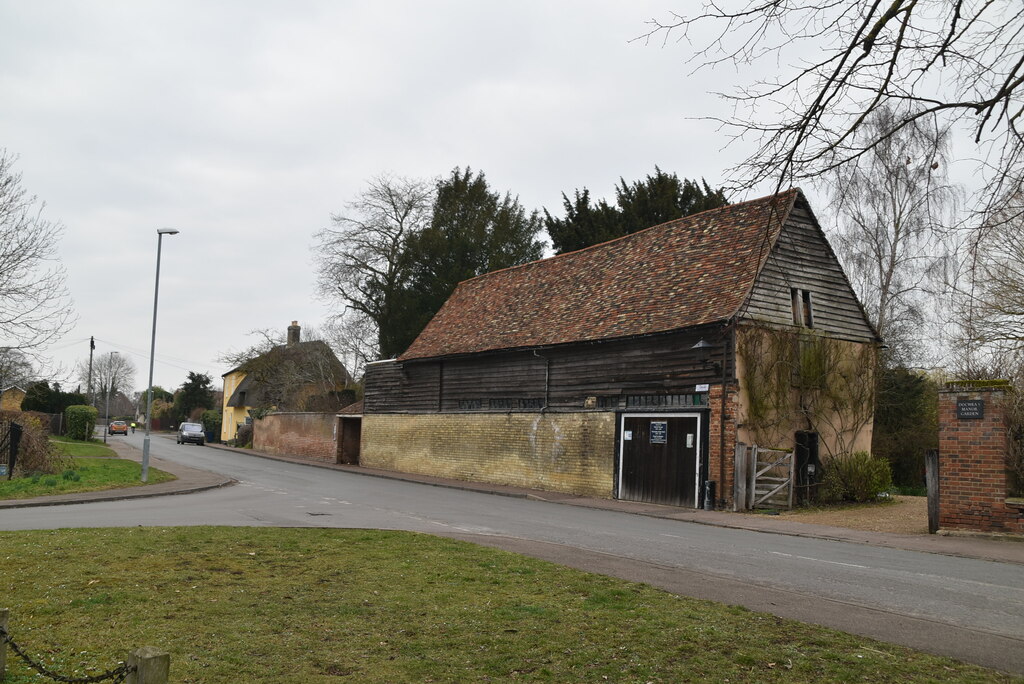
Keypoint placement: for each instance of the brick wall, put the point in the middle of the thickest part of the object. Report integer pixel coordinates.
(563, 452)
(310, 435)
(724, 491)
(973, 479)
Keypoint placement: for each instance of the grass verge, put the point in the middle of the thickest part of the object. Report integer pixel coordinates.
(316, 605)
(83, 475)
(79, 449)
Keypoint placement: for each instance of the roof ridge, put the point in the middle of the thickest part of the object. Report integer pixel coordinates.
(627, 236)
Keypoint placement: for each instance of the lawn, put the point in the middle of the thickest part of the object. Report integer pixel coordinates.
(92, 467)
(319, 605)
(77, 448)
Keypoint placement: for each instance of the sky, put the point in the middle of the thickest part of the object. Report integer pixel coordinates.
(245, 124)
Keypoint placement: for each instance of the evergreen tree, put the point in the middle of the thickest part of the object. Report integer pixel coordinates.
(473, 230)
(196, 392)
(642, 204)
(41, 397)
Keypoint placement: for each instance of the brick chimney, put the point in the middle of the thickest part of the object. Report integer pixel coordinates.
(293, 333)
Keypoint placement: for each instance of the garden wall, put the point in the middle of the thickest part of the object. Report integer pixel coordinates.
(309, 435)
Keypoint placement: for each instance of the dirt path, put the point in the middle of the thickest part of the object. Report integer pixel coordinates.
(903, 515)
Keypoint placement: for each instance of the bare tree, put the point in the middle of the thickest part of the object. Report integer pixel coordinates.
(35, 309)
(111, 372)
(994, 306)
(894, 202)
(833, 63)
(361, 258)
(15, 369)
(353, 337)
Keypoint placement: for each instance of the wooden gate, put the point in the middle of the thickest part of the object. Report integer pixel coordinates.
(658, 459)
(764, 478)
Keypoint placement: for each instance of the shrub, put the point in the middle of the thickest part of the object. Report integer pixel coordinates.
(211, 421)
(244, 436)
(855, 477)
(81, 422)
(35, 452)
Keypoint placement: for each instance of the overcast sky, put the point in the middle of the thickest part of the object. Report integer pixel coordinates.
(245, 124)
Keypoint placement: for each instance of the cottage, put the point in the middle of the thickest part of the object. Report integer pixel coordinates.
(11, 398)
(631, 369)
(295, 376)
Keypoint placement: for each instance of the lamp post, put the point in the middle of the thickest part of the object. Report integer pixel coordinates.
(152, 350)
(110, 387)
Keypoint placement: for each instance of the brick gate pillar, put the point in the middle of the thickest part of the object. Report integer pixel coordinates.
(974, 481)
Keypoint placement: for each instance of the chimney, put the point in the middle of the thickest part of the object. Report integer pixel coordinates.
(293, 333)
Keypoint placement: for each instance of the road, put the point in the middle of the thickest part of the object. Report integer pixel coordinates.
(970, 609)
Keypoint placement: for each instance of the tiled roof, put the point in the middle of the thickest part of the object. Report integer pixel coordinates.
(355, 409)
(691, 271)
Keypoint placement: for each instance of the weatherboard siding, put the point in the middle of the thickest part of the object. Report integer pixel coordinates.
(803, 259)
(564, 377)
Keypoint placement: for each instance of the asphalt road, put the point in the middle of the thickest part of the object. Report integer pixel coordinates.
(969, 609)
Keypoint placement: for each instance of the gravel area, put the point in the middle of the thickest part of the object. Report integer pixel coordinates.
(900, 515)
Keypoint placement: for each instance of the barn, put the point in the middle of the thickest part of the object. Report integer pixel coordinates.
(633, 368)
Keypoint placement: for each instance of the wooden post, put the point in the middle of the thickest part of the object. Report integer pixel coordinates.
(152, 666)
(792, 477)
(739, 478)
(4, 614)
(931, 479)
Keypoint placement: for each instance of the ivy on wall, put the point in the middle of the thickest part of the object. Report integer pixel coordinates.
(801, 379)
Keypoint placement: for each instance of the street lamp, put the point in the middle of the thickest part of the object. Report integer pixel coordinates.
(110, 387)
(152, 350)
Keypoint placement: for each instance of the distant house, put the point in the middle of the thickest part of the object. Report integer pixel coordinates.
(11, 398)
(296, 376)
(632, 368)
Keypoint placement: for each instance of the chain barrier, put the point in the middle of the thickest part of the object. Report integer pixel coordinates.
(117, 675)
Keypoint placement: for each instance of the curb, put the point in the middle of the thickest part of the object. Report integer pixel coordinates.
(998, 549)
(202, 480)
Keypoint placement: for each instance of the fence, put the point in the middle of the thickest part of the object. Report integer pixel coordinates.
(146, 665)
(10, 437)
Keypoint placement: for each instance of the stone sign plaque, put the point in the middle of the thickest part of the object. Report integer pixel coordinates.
(970, 409)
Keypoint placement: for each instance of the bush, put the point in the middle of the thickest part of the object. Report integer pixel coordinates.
(855, 477)
(211, 420)
(244, 436)
(35, 451)
(81, 422)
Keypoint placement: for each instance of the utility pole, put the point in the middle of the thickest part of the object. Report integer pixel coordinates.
(92, 346)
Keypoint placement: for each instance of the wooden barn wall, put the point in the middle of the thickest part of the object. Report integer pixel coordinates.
(564, 377)
(804, 260)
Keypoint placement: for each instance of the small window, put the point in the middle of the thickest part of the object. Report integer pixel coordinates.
(531, 403)
(803, 309)
(808, 309)
(470, 404)
(501, 404)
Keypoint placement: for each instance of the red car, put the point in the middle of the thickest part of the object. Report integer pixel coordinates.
(118, 427)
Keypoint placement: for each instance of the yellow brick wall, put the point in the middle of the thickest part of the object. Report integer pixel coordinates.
(561, 452)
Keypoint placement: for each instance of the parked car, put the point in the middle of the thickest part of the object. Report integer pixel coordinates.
(191, 432)
(117, 427)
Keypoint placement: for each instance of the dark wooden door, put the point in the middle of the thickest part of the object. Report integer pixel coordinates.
(659, 459)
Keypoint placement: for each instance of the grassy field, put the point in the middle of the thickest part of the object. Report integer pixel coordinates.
(92, 467)
(315, 605)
